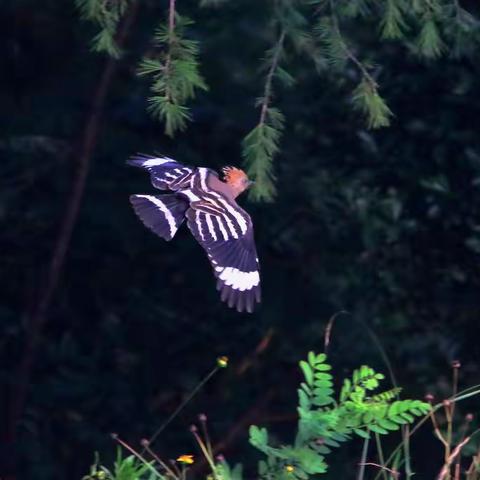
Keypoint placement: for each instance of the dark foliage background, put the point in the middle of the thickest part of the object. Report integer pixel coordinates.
(383, 225)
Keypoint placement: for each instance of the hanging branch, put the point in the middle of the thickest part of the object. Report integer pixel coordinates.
(425, 26)
(365, 97)
(393, 23)
(106, 14)
(262, 143)
(267, 94)
(175, 73)
(171, 32)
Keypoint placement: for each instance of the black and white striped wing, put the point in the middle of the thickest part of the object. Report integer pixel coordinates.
(165, 173)
(226, 234)
(162, 214)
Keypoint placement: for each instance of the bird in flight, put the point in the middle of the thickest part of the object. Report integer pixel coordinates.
(219, 224)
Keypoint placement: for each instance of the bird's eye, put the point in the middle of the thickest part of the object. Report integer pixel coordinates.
(245, 181)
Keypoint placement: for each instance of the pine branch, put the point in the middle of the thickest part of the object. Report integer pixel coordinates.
(106, 14)
(393, 23)
(175, 73)
(367, 100)
(262, 143)
(365, 97)
(267, 94)
(171, 29)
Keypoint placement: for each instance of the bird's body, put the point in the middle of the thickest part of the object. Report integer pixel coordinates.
(213, 216)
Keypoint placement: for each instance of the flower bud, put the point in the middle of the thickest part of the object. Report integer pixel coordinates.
(222, 361)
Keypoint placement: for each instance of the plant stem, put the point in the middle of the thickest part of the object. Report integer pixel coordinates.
(445, 472)
(464, 394)
(182, 405)
(158, 459)
(381, 458)
(382, 469)
(406, 450)
(363, 460)
(136, 454)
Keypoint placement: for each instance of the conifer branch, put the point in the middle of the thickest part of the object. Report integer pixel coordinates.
(171, 33)
(365, 97)
(348, 52)
(171, 29)
(267, 93)
(175, 73)
(262, 143)
(175, 68)
(107, 15)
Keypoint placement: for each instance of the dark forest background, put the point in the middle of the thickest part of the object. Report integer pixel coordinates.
(382, 225)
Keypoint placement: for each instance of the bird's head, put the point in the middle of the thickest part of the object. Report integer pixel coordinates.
(237, 179)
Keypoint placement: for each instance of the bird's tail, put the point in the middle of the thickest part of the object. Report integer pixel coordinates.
(163, 214)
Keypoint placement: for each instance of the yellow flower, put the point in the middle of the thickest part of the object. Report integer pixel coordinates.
(186, 459)
(289, 468)
(222, 362)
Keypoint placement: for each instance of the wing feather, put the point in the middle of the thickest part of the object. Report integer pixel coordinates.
(225, 231)
(165, 173)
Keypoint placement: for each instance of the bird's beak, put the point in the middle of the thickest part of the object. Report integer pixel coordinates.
(251, 182)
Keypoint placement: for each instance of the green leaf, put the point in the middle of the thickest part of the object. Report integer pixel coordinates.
(361, 433)
(307, 372)
(387, 424)
(378, 429)
(323, 367)
(304, 400)
(321, 357)
(258, 436)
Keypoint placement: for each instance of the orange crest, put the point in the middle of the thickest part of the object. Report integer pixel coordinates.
(232, 174)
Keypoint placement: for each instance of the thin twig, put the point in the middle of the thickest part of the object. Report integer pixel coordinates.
(135, 453)
(348, 52)
(182, 405)
(473, 468)
(437, 431)
(267, 93)
(259, 349)
(382, 352)
(328, 329)
(238, 428)
(171, 32)
(446, 468)
(464, 394)
(205, 450)
(146, 447)
(383, 469)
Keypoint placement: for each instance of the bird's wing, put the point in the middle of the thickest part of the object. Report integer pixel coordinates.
(225, 231)
(165, 173)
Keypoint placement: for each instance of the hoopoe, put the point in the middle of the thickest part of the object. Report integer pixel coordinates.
(218, 223)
